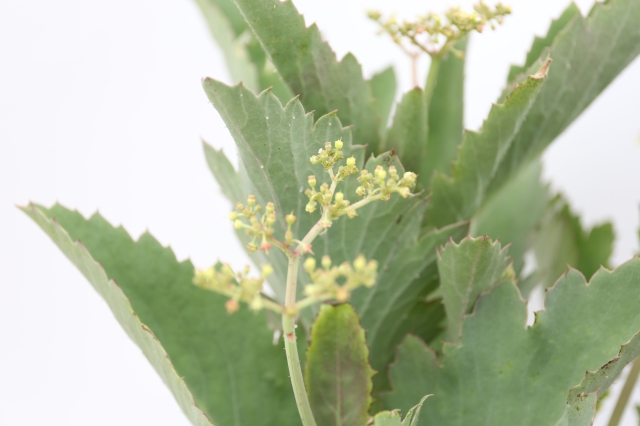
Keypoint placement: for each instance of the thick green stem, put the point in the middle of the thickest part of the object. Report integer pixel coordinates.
(432, 78)
(290, 345)
(625, 394)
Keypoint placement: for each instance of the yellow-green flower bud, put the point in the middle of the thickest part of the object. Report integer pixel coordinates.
(360, 263)
(339, 197)
(361, 191)
(267, 270)
(233, 216)
(326, 262)
(290, 218)
(237, 224)
(380, 173)
(312, 181)
(310, 265)
(342, 294)
(270, 207)
(351, 161)
(231, 306)
(338, 144)
(251, 200)
(314, 159)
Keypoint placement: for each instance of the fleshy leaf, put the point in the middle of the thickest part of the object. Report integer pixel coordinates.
(154, 300)
(542, 43)
(467, 269)
(337, 373)
(588, 53)
(458, 197)
(505, 373)
(446, 113)
(387, 310)
(409, 131)
(383, 87)
(584, 396)
(309, 67)
(392, 418)
(561, 241)
(512, 213)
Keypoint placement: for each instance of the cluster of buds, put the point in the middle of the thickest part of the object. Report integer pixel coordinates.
(337, 282)
(259, 226)
(433, 34)
(377, 185)
(238, 286)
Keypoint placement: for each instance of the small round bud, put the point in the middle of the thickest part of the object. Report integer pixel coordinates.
(252, 247)
(314, 159)
(380, 173)
(360, 263)
(267, 270)
(351, 161)
(271, 219)
(342, 295)
(251, 200)
(265, 246)
(410, 176)
(352, 213)
(290, 218)
(237, 224)
(310, 265)
(256, 303)
(231, 306)
(361, 191)
(326, 262)
(327, 146)
(339, 197)
(312, 181)
(338, 145)
(239, 206)
(270, 207)
(288, 236)
(233, 216)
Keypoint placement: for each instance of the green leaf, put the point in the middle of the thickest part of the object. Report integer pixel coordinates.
(466, 270)
(337, 374)
(383, 88)
(458, 197)
(310, 69)
(588, 53)
(224, 365)
(392, 418)
(446, 114)
(513, 212)
(388, 310)
(584, 396)
(245, 59)
(505, 373)
(226, 26)
(408, 134)
(540, 44)
(561, 241)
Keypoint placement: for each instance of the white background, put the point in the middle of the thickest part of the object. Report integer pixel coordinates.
(101, 107)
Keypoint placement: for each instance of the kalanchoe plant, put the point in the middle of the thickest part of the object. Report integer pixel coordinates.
(395, 254)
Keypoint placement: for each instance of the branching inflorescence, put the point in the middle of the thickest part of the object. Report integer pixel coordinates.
(328, 282)
(437, 35)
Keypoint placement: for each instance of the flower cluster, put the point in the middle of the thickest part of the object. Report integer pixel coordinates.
(259, 226)
(337, 282)
(236, 285)
(436, 35)
(376, 184)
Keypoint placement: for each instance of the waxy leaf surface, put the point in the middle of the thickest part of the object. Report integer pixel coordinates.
(337, 372)
(310, 69)
(206, 357)
(505, 373)
(467, 269)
